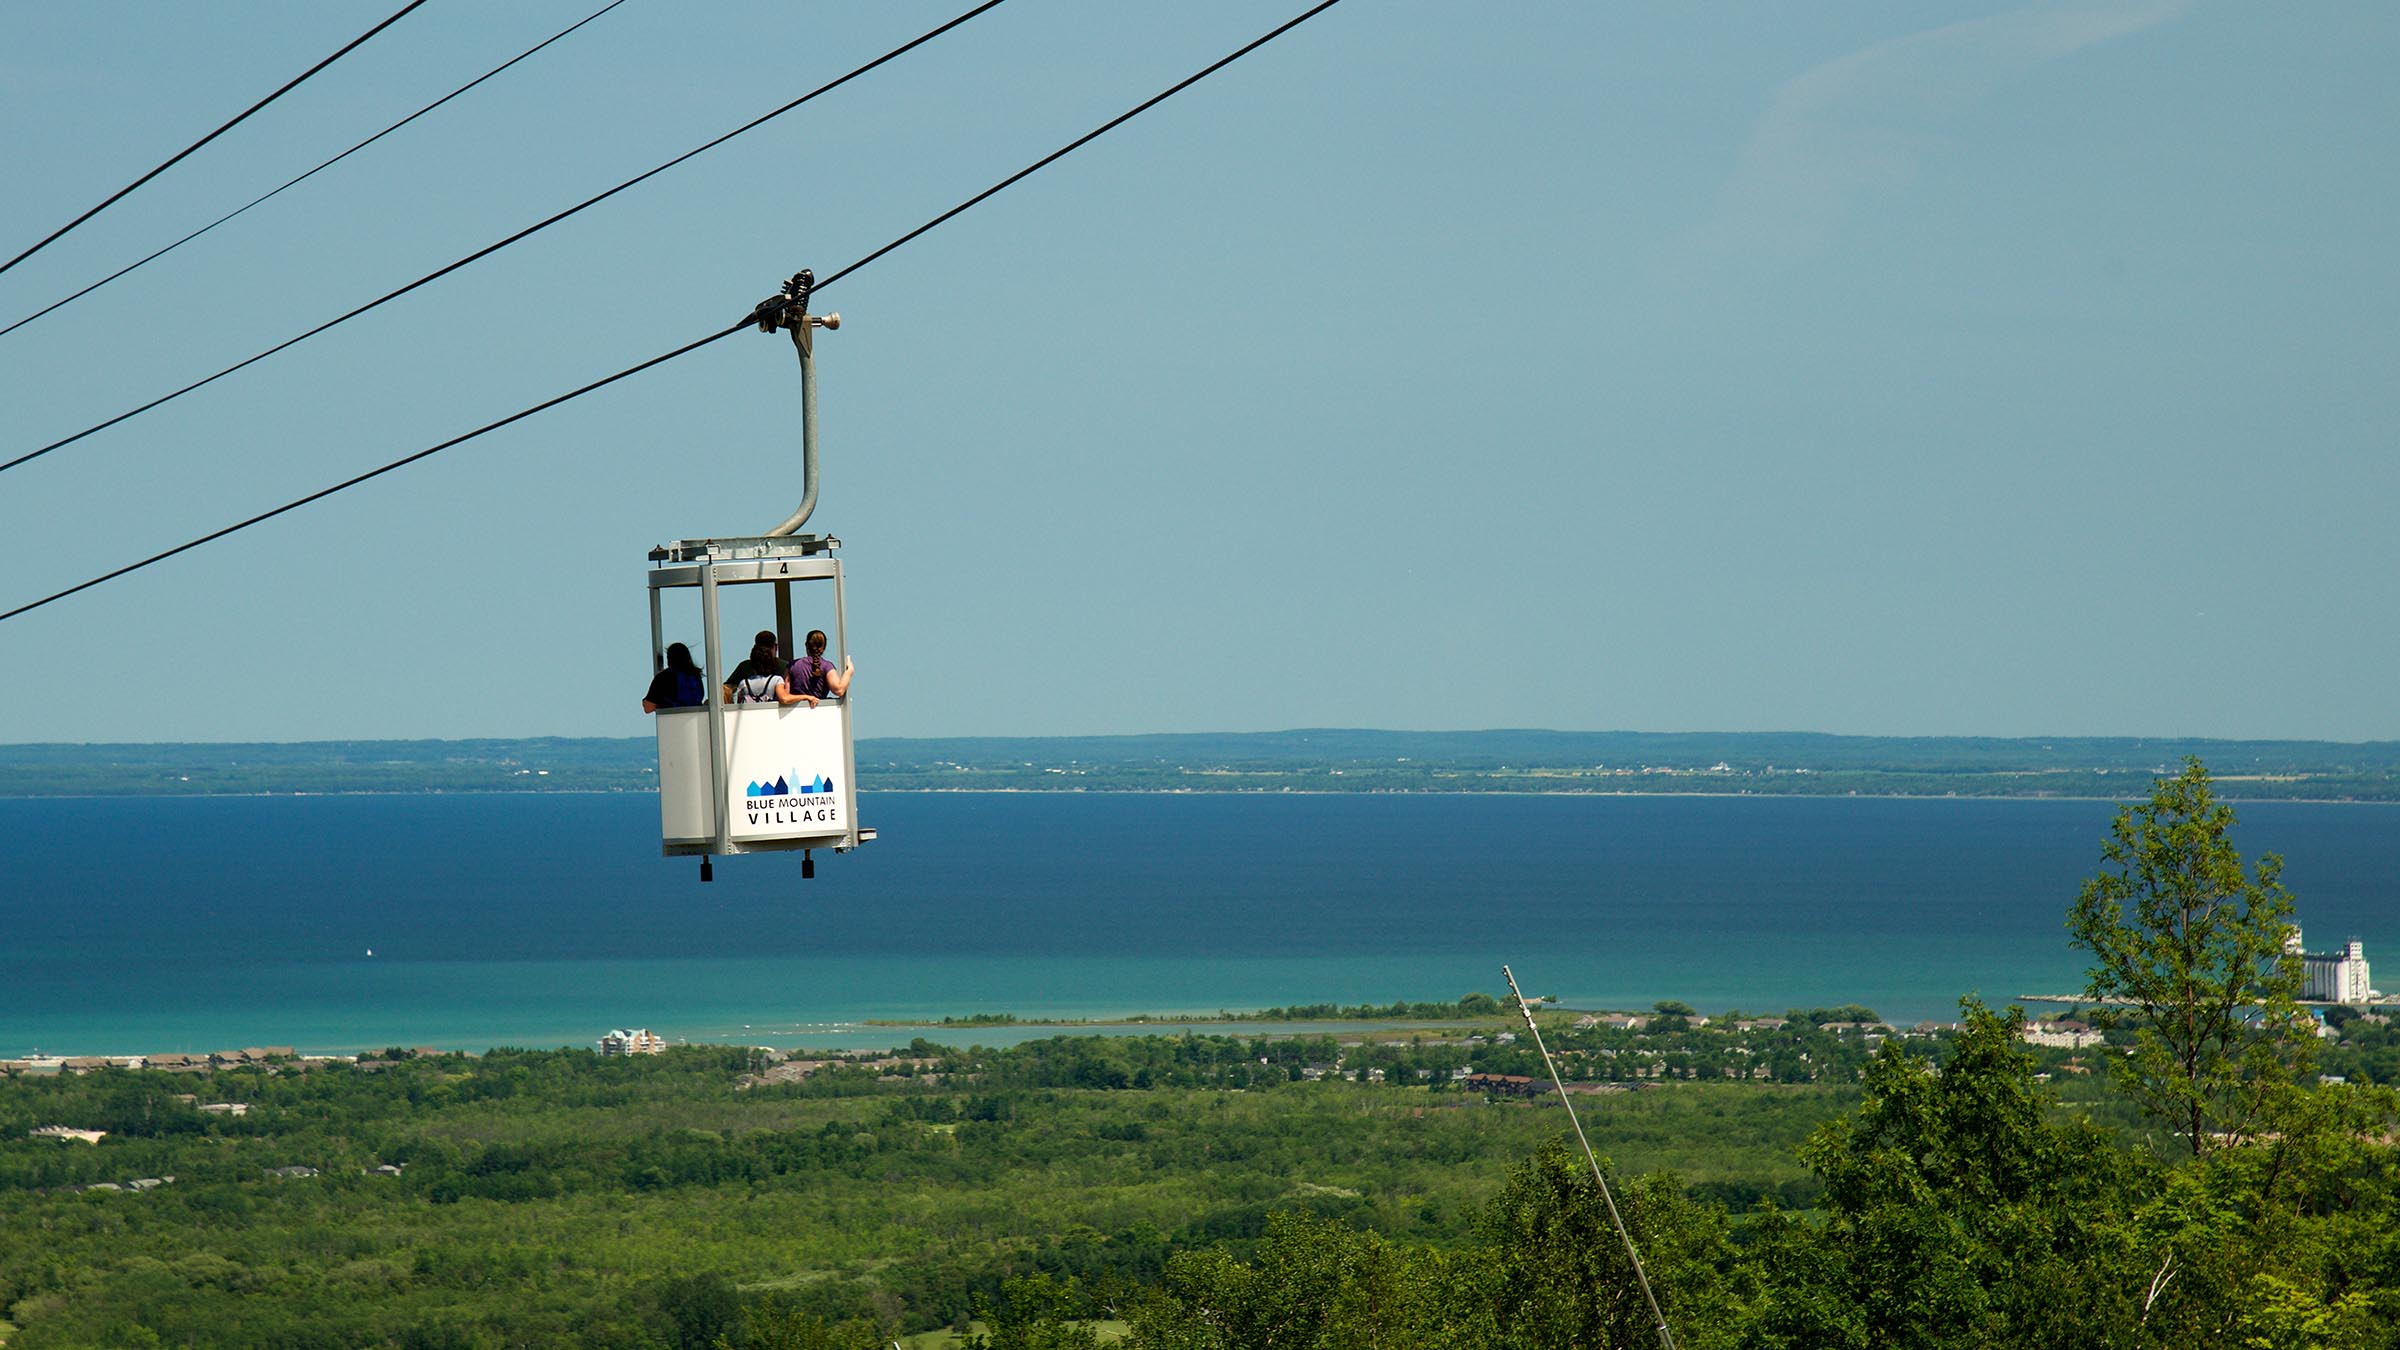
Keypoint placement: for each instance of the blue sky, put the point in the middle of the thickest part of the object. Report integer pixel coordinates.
(1885, 368)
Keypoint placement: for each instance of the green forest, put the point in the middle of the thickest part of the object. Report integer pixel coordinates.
(2192, 1158)
(1194, 1190)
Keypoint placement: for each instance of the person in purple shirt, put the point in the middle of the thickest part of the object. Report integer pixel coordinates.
(815, 676)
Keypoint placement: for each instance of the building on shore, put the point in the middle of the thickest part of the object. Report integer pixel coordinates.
(639, 1041)
(2332, 977)
(2063, 1033)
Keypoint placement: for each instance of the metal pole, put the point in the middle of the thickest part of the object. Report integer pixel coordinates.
(800, 327)
(841, 618)
(716, 705)
(783, 622)
(658, 636)
(841, 650)
(1658, 1319)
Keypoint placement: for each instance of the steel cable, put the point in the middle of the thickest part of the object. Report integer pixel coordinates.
(491, 249)
(351, 482)
(294, 83)
(154, 257)
(661, 359)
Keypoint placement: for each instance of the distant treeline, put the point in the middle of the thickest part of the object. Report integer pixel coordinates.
(1763, 763)
(1467, 1008)
(1473, 1005)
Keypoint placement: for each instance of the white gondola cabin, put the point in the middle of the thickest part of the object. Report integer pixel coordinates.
(758, 777)
(752, 777)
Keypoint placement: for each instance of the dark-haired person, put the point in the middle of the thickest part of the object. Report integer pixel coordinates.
(761, 678)
(748, 665)
(678, 685)
(815, 676)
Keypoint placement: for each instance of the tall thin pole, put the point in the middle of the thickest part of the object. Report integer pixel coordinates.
(1657, 1318)
(721, 834)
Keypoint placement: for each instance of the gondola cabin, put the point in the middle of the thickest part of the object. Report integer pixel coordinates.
(759, 777)
(753, 777)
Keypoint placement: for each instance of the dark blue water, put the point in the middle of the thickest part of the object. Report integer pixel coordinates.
(155, 925)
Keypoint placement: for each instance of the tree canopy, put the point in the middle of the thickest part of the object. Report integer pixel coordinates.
(2190, 954)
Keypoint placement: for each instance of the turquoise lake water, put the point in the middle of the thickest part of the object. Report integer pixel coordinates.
(154, 925)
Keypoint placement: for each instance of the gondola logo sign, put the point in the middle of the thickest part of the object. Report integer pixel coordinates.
(780, 802)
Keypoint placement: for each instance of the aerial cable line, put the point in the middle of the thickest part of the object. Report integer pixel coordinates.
(294, 83)
(1076, 144)
(663, 358)
(487, 251)
(322, 493)
(1658, 1317)
(55, 304)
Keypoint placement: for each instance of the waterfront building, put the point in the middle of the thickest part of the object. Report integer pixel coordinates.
(2064, 1034)
(2332, 977)
(639, 1041)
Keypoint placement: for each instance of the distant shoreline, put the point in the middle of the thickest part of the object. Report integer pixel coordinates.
(872, 791)
(957, 1034)
(1312, 762)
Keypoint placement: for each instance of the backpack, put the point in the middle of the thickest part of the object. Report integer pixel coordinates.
(688, 691)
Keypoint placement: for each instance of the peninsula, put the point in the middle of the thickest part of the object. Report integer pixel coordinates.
(1320, 760)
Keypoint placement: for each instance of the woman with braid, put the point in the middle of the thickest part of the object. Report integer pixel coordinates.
(815, 676)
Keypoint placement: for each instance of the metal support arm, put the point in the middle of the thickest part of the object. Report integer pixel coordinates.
(789, 311)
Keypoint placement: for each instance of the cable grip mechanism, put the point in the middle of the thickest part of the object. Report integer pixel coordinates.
(789, 309)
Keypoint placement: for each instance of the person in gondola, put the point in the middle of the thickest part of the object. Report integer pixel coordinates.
(761, 678)
(679, 685)
(748, 666)
(815, 676)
